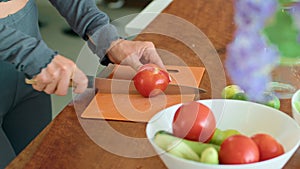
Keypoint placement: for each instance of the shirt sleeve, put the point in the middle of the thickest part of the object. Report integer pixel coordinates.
(26, 53)
(89, 22)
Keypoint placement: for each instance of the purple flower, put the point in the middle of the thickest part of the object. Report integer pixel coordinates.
(249, 62)
(252, 14)
(250, 59)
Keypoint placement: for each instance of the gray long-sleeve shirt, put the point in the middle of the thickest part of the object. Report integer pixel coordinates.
(21, 43)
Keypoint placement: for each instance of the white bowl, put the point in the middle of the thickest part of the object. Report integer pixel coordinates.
(247, 117)
(296, 113)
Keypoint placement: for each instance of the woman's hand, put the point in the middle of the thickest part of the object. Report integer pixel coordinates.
(56, 77)
(134, 53)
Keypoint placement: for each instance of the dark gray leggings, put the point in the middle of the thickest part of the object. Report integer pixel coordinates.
(24, 112)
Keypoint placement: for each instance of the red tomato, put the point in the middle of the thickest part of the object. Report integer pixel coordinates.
(194, 121)
(238, 149)
(150, 80)
(268, 146)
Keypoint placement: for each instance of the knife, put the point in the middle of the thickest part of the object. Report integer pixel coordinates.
(121, 86)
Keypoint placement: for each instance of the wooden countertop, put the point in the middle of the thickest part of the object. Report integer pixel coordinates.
(72, 142)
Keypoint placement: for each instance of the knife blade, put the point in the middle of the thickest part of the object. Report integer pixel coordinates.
(121, 86)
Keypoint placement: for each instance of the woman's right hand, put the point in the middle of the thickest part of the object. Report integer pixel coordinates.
(56, 77)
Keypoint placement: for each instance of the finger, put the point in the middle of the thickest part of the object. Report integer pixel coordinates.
(38, 87)
(80, 81)
(62, 87)
(159, 63)
(42, 80)
(133, 61)
(63, 84)
(153, 57)
(64, 81)
(51, 88)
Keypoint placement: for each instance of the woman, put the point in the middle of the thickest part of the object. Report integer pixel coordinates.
(26, 109)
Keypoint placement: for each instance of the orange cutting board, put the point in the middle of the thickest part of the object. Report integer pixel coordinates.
(134, 107)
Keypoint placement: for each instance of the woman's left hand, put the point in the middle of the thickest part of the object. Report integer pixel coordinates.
(134, 53)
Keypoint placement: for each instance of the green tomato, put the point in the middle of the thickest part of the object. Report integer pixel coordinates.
(271, 100)
(220, 135)
(229, 91)
(230, 132)
(240, 96)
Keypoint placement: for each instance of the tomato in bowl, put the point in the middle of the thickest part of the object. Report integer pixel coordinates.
(247, 117)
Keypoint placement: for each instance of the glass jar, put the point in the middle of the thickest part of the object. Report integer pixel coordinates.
(286, 78)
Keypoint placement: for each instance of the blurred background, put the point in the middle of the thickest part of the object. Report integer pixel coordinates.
(60, 37)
